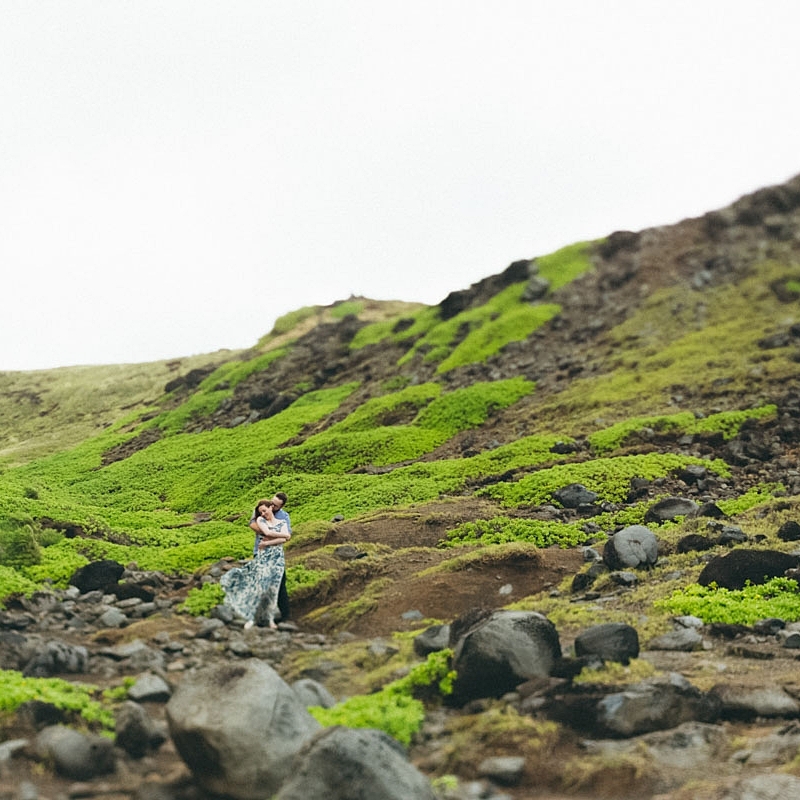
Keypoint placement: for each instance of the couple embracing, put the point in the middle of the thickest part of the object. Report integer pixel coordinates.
(259, 587)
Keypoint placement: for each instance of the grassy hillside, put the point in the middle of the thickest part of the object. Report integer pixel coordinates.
(380, 396)
(536, 377)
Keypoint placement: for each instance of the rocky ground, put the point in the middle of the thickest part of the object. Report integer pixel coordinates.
(96, 637)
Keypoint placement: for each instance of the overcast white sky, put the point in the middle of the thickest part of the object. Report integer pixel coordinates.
(175, 175)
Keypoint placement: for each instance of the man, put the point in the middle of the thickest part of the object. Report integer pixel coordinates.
(278, 502)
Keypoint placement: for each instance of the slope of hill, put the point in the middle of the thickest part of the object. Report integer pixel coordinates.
(431, 444)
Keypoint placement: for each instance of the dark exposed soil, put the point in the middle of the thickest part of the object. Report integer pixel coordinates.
(441, 595)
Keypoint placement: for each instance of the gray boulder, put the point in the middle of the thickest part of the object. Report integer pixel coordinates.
(669, 508)
(347, 764)
(740, 702)
(431, 640)
(150, 688)
(76, 755)
(654, 705)
(684, 640)
(632, 547)
(135, 731)
(574, 495)
(611, 641)
(238, 727)
(501, 651)
(312, 693)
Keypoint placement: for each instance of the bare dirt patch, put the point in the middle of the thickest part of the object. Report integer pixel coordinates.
(410, 580)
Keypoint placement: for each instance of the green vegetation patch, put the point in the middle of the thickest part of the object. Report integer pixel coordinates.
(396, 709)
(15, 689)
(290, 321)
(758, 495)
(778, 598)
(360, 440)
(385, 410)
(18, 545)
(682, 338)
(398, 329)
(347, 307)
(489, 328)
(202, 599)
(467, 408)
(565, 265)
(506, 318)
(13, 582)
(609, 477)
(501, 530)
(215, 388)
(726, 423)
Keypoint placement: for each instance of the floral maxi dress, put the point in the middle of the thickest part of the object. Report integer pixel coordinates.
(256, 584)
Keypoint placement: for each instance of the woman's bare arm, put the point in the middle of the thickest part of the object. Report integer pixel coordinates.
(271, 534)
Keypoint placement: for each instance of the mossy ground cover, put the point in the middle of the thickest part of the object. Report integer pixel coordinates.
(218, 386)
(682, 341)
(505, 318)
(778, 598)
(182, 502)
(45, 411)
(609, 477)
(397, 708)
(84, 700)
(477, 333)
(143, 508)
(726, 423)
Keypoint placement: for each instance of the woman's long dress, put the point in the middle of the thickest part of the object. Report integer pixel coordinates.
(256, 584)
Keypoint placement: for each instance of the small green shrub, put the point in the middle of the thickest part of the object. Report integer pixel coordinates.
(13, 582)
(201, 600)
(565, 265)
(609, 477)
(762, 493)
(299, 577)
(18, 546)
(394, 709)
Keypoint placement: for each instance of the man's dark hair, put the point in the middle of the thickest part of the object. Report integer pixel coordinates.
(282, 497)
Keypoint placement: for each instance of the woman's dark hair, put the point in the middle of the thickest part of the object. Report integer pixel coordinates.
(262, 503)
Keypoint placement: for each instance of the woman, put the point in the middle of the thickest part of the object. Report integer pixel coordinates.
(256, 584)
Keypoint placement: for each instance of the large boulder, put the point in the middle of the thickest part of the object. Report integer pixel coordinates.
(734, 570)
(502, 650)
(102, 575)
(76, 755)
(238, 727)
(653, 705)
(347, 764)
